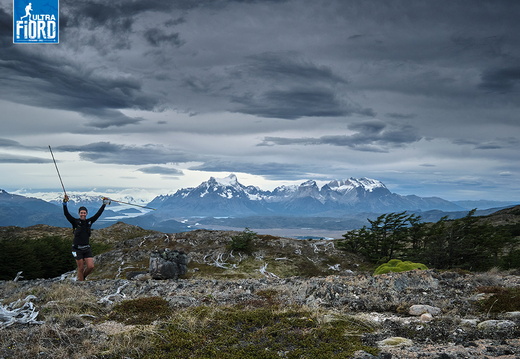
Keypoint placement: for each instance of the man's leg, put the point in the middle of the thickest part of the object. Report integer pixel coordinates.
(89, 267)
(81, 269)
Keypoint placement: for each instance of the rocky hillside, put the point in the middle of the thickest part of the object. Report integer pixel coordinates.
(282, 298)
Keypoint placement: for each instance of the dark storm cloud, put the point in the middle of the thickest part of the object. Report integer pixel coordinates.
(294, 103)
(104, 118)
(4, 142)
(269, 170)
(283, 66)
(118, 18)
(114, 15)
(106, 152)
(497, 143)
(7, 158)
(6, 26)
(371, 136)
(501, 80)
(401, 116)
(63, 82)
(157, 37)
(7, 143)
(291, 88)
(68, 86)
(161, 170)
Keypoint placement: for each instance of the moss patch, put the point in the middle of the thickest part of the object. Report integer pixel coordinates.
(396, 265)
(140, 310)
(267, 332)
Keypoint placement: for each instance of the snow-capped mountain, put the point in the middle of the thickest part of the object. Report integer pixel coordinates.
(227, 197)
(228, 201)
(220, 197)
(90, 199)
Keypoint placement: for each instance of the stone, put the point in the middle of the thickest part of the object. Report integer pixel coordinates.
(426, 317)
(496, 325)
(420, 309)
(395, 342)
(511, 314)
(134, 275)
(471, 323)
(361, 354)
(168, 264)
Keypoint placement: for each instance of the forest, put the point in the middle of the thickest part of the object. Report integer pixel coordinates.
(468, 243)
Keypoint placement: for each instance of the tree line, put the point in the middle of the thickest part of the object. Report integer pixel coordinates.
(45, 257)
(466, 243)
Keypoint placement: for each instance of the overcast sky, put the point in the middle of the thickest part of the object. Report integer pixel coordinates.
(159, 95)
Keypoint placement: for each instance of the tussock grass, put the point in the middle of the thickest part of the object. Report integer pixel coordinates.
(242, 331)
(140, 310)
(263, 332)
(502, 300)
(66, 302)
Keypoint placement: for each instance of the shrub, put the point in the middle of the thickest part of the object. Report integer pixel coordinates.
(45, 257)
(396, 265)
(243, 242)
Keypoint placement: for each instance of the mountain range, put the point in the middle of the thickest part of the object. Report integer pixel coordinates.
(228, 197)
(339, 204)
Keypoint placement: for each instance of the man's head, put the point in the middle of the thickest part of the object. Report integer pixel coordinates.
(82, 212)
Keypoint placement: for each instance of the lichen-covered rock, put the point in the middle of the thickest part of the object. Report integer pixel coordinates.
(512, 314)
(496, 325)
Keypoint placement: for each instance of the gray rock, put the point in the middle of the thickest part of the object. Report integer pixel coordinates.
(420, 309)
(426, 317)
(512, 315)
(395, 342)
(168, 264)
(496, 325)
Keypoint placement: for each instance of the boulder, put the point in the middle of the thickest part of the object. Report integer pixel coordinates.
(168, 264)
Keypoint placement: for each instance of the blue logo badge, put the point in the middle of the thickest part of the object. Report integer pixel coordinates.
(35, 21)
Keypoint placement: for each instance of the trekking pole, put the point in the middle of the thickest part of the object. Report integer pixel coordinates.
(57, 170)
(131, 204)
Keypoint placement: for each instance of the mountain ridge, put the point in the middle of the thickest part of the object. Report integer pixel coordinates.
(299, 210)
(228, 197)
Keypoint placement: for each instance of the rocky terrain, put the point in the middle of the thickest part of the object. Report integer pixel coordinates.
(415, 314)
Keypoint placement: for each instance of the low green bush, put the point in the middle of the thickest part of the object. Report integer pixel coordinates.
(396, 265)
(243, 242)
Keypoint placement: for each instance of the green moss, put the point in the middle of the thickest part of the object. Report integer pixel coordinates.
(396, 265)
(140, 310)
(267, 332)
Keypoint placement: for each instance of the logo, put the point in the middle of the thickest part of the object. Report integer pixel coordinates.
(35, 21)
